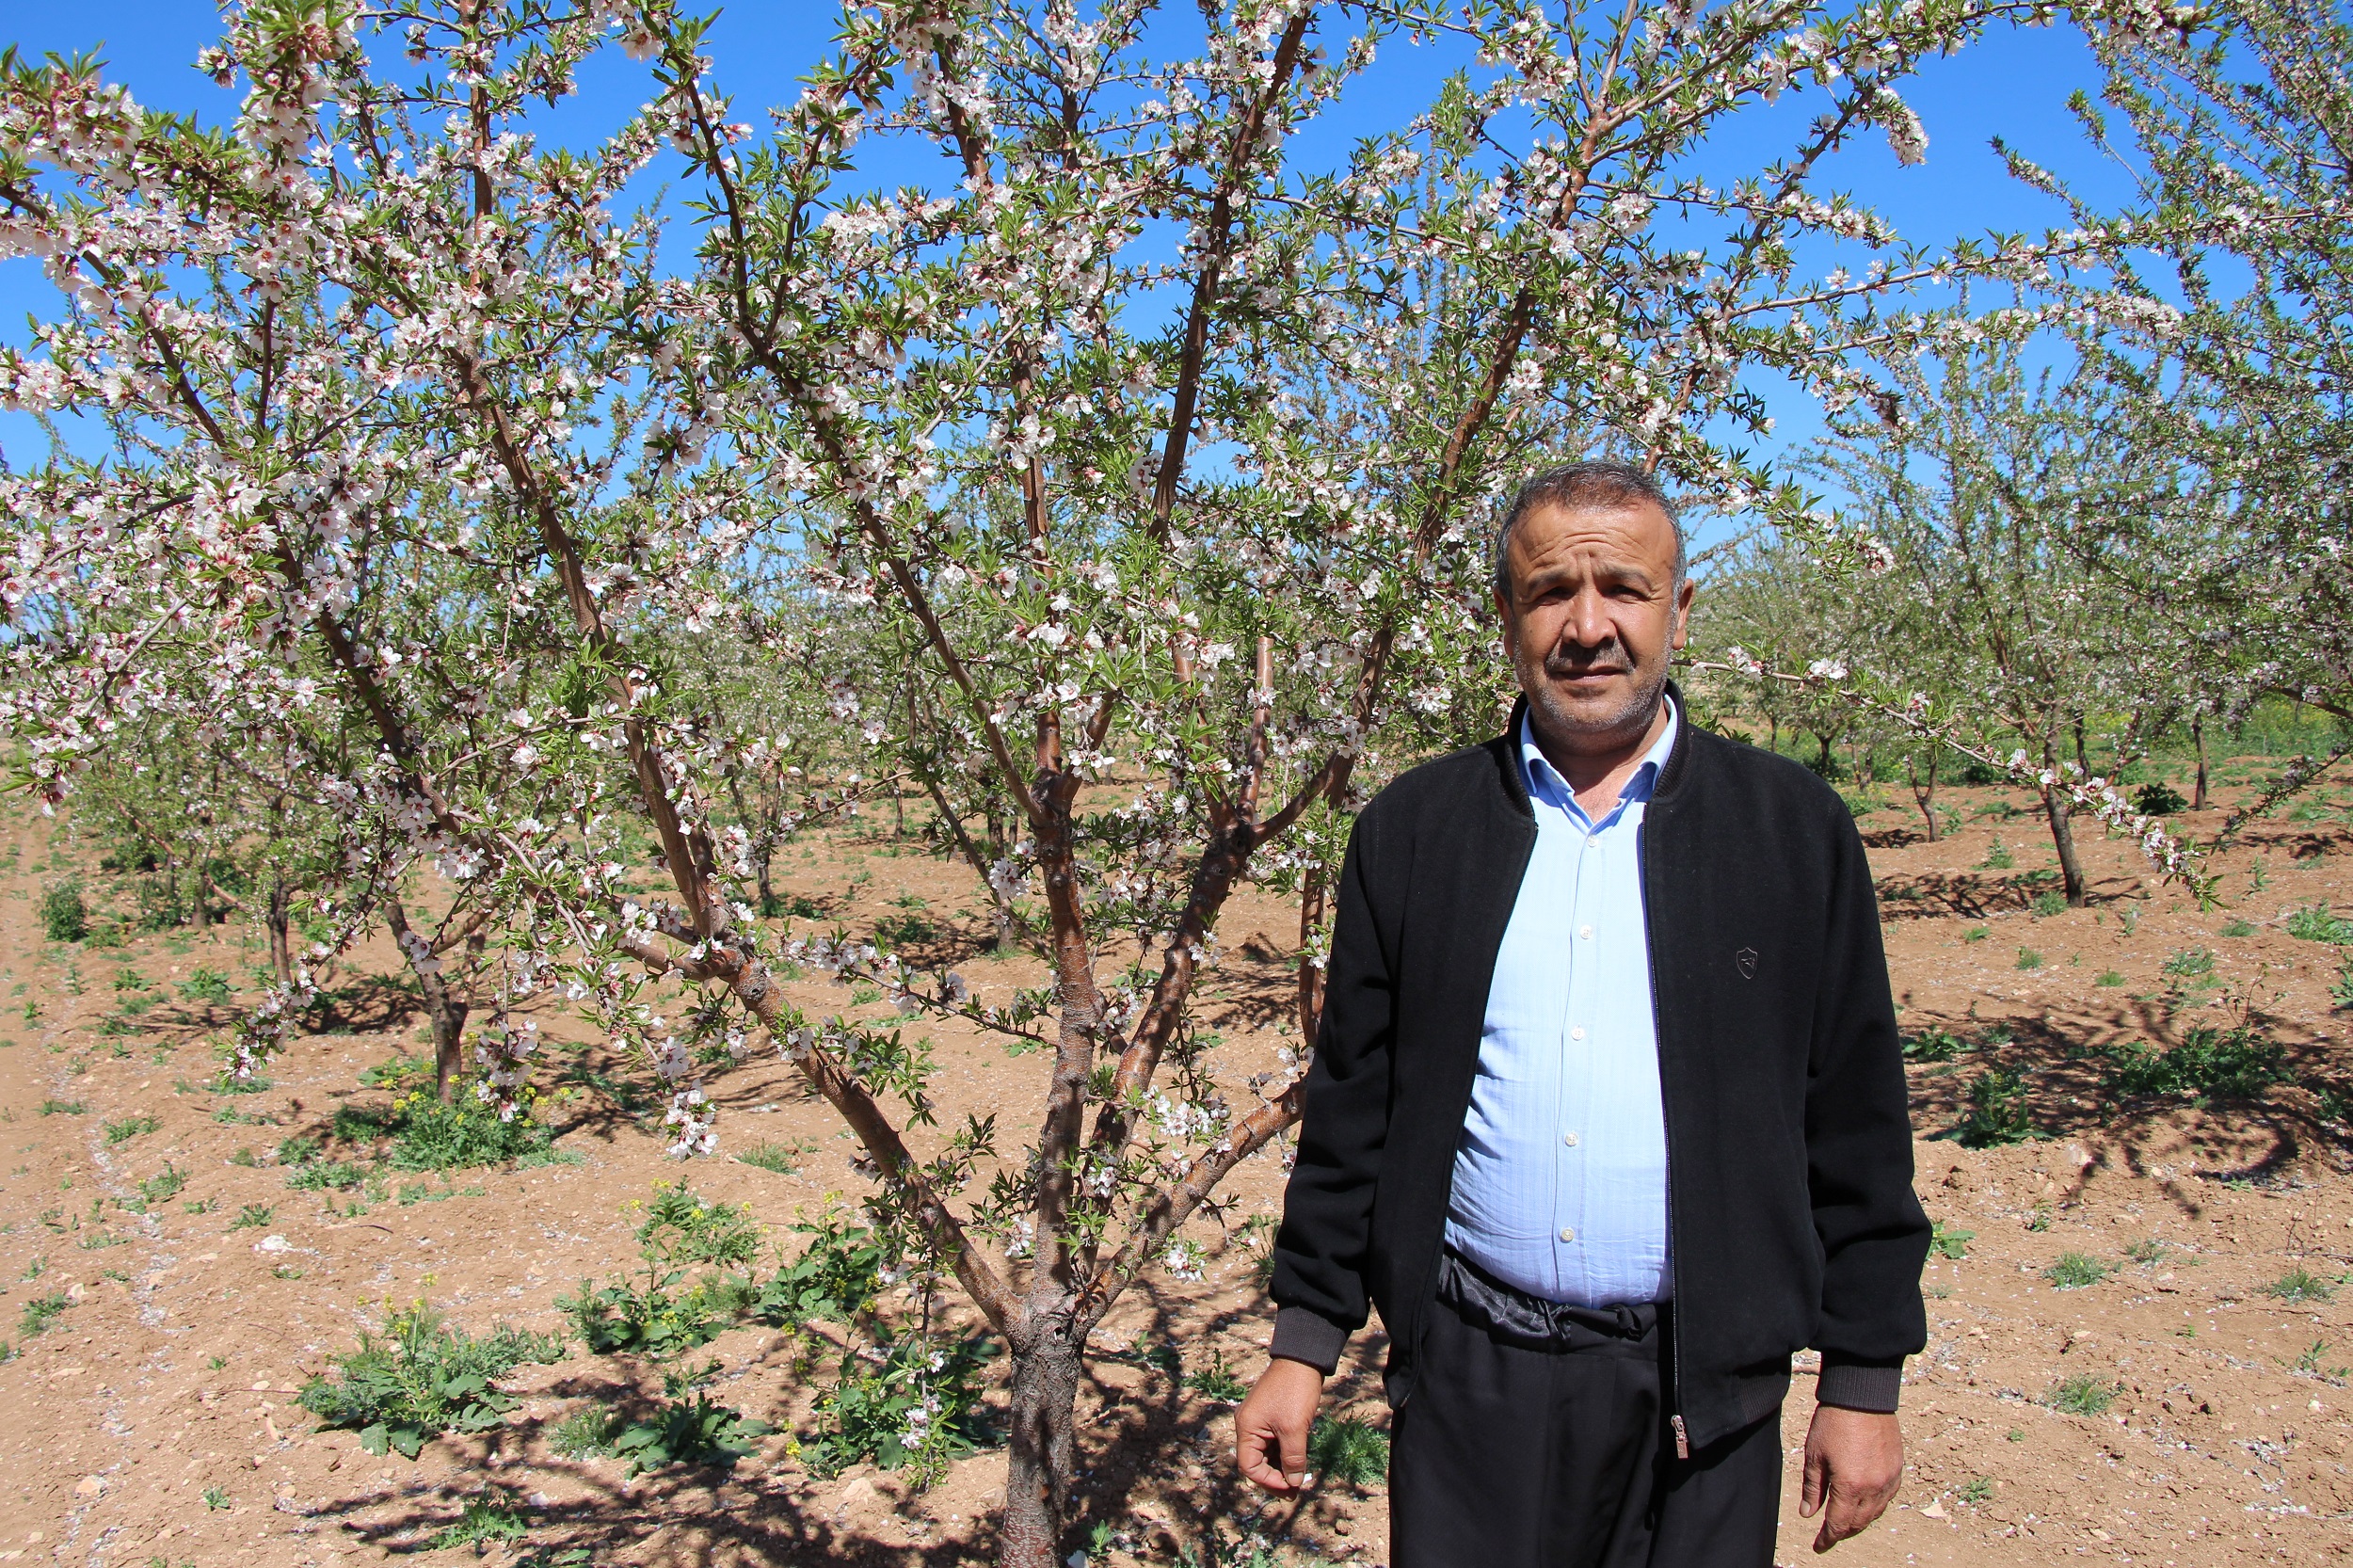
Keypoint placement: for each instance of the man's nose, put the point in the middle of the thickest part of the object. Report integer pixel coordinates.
(1588, 624)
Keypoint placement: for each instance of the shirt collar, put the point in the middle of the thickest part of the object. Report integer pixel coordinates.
(1544, 783)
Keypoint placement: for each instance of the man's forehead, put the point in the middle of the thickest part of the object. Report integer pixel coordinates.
(1626, 542)
(1636, 525)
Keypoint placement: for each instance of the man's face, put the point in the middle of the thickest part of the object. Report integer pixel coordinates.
(1593, 620)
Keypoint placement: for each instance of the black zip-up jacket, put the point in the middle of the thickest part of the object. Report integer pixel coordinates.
(1790, 1208)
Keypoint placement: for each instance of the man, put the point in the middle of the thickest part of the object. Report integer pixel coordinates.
(1607, 1115)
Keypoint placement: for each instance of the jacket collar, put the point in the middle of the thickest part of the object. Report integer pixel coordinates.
(1505, 749)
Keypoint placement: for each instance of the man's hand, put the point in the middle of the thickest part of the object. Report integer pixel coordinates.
(1854, 1462)
(1270, 1428)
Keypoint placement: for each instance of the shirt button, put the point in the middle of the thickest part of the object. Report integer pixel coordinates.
(1567, 1233)
(1570, 1138)
(1585, 932)
(1578, 1033)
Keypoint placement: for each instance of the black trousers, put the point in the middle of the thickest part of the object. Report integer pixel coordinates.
(1537, 1436)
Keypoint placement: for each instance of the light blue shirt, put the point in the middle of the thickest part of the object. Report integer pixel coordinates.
(1561, 1181)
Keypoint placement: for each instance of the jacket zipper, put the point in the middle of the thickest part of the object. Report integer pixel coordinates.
(1666, 1130)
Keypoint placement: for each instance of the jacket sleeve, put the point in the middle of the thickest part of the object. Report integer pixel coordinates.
(1322, 1250)
(1873, 1232)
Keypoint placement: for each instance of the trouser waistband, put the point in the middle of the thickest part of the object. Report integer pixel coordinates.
(1516, 1317)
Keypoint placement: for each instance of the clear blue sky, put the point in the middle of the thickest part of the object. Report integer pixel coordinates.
(2015, 85)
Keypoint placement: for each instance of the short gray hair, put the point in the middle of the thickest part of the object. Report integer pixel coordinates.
(1601, 483)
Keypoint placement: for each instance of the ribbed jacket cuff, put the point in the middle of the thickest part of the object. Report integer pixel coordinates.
(1853, 1387)
(1302, 1334)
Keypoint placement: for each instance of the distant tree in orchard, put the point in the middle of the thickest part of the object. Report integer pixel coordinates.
(2220, 329)
(1140, 443)
(1973, 480)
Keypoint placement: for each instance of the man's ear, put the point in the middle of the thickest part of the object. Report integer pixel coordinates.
(1685, 591)
(1510, 627)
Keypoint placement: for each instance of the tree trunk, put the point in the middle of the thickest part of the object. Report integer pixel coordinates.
(2198, 738)
(1000, 908)
(1924, 797)
(2082, 757)
(1821, 763)
(445, 1011)
(1773, 738)
(2062, 834)
(1310, 970)
(1048, 1349)
(275, 919)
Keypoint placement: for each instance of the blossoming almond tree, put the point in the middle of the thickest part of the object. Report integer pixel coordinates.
(1001, 391)
(2219, 326)
(1161, 448)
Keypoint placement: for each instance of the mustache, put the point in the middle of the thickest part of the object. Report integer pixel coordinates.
(1560, 661)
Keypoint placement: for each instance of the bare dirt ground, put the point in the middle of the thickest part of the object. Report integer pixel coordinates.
(153, 1420)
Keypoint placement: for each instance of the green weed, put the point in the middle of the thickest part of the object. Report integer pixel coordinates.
(340, 1175)
(1217, 1381)
(834, 1280)
(1934, 1044)
(253, 1216)
(2315, 924)
(906, 1403)
(2074, 1270)
(41, 1312)
(1948, 1241)
(698, 1432)
(1998, 1110)
(1349, 1450)
(2190, 963)
(781, 1159)
(428, 1135)
(2299, 1285)
(2085, 1394)
(2311, 1364)
(164, 1185)
(651, 1312)
(586, 1433)
(2236, 1063)
(481, 1523)
(64, 918)
(61, 1108)
(421, 1378)
(206, 985)
(127, 1128)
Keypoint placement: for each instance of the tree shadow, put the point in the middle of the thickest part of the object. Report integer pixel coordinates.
(1974, 895)
(2065, 1067)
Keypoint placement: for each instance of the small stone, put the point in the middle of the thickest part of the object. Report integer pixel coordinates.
(89, 1486)
(1934, 1511)
(274, 1243)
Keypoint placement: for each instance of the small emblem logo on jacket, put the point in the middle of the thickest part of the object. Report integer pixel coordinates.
(1746, 958)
